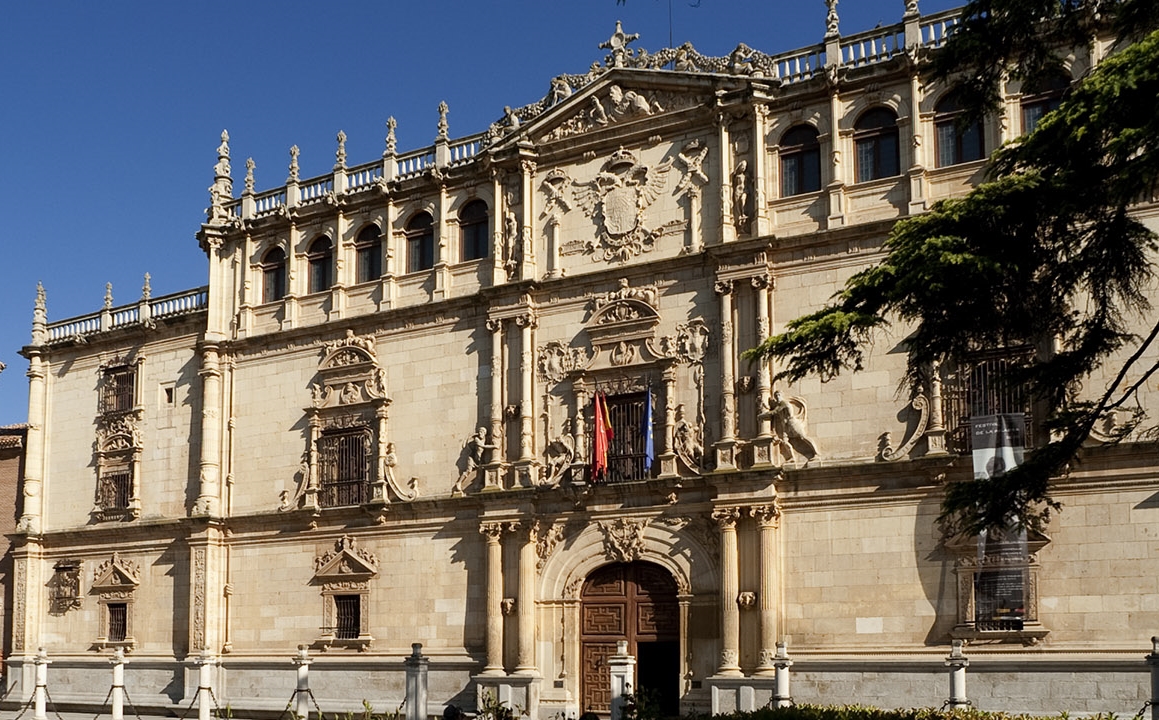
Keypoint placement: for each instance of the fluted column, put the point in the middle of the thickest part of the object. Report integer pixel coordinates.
(760, 177)
(525, 603)
(837, 175)
(493, 532)
(726, 518)
(768, 519)
(936, 430)
(725, 447)
(581, 433)
(527, 266)
(526, 473)
(209, 486)
(667, 457)
(763, 444)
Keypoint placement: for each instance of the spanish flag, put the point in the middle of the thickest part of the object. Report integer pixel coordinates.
(602, 437)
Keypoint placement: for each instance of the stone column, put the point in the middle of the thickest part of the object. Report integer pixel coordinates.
(495, 452)
(725, 447)
(302, 692)
(726, 518)
(553, 268)
(582, 398)
(957, 662)
(416, 683)
(30, 518)
(763, 444)
(493, 532)
(117, 693)
(727, 229)
(527, 266)
(768, 519)
(836, 167)
(41, 691)
(526, 471)
(443, 255)
(918, 190)
(760, 176)
(209, 486)
(667, 457)
(387, 287)
(525, 604)
(205, 663)
(782, 695)
(936, 430)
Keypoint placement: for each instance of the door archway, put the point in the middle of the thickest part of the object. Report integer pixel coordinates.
(635, 602)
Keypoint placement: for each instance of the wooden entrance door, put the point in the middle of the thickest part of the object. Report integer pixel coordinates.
(634, 602)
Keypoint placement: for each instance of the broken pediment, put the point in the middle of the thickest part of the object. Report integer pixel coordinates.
(116, 573)
(345, 562)
(349, 372)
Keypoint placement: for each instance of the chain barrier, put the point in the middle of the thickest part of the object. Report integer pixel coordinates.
(50, 703)
(196, 696)
(1142, 710)
(130, 703)
(31, 701)
(105, 704)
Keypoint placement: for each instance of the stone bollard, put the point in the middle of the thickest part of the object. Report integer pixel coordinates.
(1153, 661)
(781, 695)
(622, 667)
(42, 662)
(416, 683)
(302, 693)
(118, 692)
(204, 678)
(957, 662)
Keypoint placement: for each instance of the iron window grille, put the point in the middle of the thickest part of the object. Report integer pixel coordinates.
(626, 450)
(114, 490)
(118, 621)
(118, 393)
(984, 385)
(344, 467)
(348, 616)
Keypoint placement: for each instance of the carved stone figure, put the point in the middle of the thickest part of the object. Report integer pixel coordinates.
(692, 156)
(689, 446)
(740, 196)
(560, 454)
(789, 426)
(476, 445)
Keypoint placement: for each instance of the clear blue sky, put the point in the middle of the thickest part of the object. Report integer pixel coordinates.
(110, 111)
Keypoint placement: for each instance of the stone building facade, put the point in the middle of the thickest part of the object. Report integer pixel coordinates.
(379, 422)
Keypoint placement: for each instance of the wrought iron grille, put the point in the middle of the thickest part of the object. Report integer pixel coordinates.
(118, 389)
(118, 621)
(114, 490)
(344, 467)
(626, 456)
(348, 620)
(984, 386)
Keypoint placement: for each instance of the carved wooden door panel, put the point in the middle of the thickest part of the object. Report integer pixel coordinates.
(635, 602)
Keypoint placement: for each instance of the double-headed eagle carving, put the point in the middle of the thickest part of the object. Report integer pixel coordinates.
(616, 199)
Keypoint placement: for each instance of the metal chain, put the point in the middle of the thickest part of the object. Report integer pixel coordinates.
(106, 702)
(130, 702)
(51, 704)
(31, 700)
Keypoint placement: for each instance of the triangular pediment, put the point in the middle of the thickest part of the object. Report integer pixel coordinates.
(116, 573)
(345, 561)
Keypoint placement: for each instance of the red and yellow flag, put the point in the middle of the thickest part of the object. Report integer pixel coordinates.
(602, 436)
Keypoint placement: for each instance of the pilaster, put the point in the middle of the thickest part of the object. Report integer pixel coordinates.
(726, 447)
(726, 519)
(768, 518)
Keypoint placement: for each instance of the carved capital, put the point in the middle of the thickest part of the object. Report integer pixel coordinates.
(726, 517)
(766, 515)
(493, 531)
(722, 287)
(495, 325)
(762, 282)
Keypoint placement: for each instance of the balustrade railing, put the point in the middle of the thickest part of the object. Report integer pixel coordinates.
(363, 175)
(83, 325)
(167, 306)
(934, 31)
(179, 303)
(800, 64)
(464, 150)
(269, 202)
(414, 163)
(315, 190)
(869, 49)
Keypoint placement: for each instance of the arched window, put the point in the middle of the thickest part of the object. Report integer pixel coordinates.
(420, 243)
(273, 275)
(800, 161)
(956, 144)
(321, 259)
(368, 254)
(875, 139)
(473, 230)
(1040, 98)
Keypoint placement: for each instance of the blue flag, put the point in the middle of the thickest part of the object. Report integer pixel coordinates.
(649, 442)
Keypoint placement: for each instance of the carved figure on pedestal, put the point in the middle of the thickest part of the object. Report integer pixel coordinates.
(560, 454)
(475, 446)
(740, 196)
(788, 418)
(689, 443)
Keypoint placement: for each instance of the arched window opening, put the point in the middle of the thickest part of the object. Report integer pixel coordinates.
(321, 260)
(273, 275)
(875, 137)
(800, 161)
(420, 243)
(1040, 98)
(368, 254)
(473, 230)
(956, 144)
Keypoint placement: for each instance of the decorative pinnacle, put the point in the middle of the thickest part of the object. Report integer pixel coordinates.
(831, 20)
(221, 169)
(293, 164)
(146, 290)
(249, 176)
(443, 120)
(391, 142)
(340, 155)
(618, 44)
(39, 316)
(911, 7)
(108, 295)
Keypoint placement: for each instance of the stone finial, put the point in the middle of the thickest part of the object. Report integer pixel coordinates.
(222, 170)
(108, 296)
(443, 120)
(832, 22)
(222, 189)
(39, 317)
(618, 45)
(249, 176)
(911, 7)
(340, 154)
(391, 142)
(294, 151)
(146, 289)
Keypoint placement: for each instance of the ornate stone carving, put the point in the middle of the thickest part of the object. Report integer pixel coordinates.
(625, 291)
(692, 156)
(746, 600)
(740, 197)
(767, 515)
(922, 405)
(547, 537)
(623, 539)
(476, 446)
(116, 572)
(555, 360)
(617, 199)
(560, 455)
(726, 517)
(555, 187)
(689, 441)
(508, 606)
(692, 341)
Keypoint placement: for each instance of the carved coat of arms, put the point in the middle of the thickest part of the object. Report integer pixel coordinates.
(617, 199)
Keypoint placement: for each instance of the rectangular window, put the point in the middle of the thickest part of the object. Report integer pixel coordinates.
(344, 467)
(626, 450)
(118, 391)
(348, 616)
(985, 385)
(115, 488)
(118, 621)
(420, 252)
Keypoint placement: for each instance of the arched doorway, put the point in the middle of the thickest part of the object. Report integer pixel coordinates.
(634, 602)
